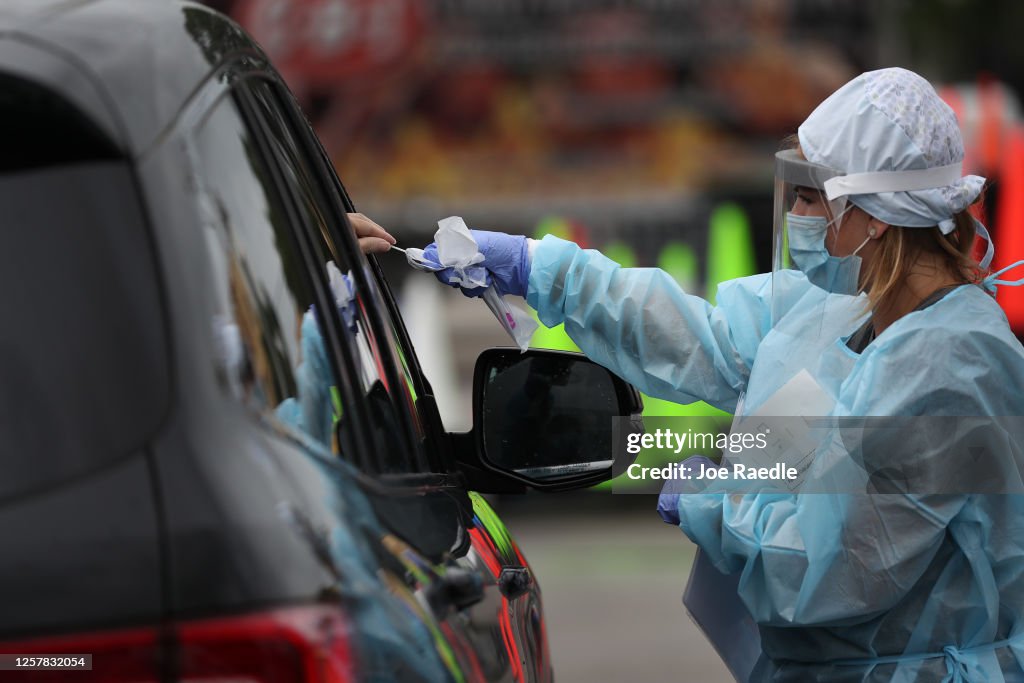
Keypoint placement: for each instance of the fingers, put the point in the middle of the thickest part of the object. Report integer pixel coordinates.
(373, 239)
(374, 245)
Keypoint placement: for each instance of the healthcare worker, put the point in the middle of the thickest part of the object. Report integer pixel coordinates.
(875, 307)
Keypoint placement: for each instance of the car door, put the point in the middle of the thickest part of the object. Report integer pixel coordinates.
(472, 574)
(265, 506)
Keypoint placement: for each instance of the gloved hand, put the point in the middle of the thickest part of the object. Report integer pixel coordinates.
(668, 500)
(506, 258)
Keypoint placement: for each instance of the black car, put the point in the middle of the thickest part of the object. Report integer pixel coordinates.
(219, 457)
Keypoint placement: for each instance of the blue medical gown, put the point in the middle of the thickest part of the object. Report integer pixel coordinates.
(843, 587)
(311, 411)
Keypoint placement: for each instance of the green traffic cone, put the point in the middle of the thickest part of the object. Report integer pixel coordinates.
(553, 225)
(679, 260)
(621, 253)
(730, 247)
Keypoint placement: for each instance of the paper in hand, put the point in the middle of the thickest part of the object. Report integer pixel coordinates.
(456, 249)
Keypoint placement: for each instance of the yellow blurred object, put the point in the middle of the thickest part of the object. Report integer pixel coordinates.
(683, 145)
(422, 167)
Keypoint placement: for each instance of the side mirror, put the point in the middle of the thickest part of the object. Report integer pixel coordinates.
(546, 418)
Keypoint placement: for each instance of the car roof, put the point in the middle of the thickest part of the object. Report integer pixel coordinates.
(130, 65)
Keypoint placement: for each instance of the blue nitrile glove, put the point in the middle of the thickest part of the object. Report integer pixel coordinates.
(506, 258)
(668, 500)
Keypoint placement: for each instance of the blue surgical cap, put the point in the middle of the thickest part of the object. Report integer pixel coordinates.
(892, 120)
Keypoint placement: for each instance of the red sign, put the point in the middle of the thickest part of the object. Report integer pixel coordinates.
(334, 40)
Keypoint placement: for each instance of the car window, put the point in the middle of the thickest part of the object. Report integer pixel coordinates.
(411, 370)
(267, 331)
(387, 392)
(83, 358)
(331, 195)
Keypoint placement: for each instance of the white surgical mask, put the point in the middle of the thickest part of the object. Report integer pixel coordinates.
(836, 274)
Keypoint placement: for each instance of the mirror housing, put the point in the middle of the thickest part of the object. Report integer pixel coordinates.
(544, 420)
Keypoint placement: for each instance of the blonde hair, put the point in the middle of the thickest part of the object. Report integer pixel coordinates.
(900, 249)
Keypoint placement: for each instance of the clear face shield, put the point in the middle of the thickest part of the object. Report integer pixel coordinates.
(810, 209)
(804, 221)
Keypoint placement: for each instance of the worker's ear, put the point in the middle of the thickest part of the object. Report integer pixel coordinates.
(876, 228)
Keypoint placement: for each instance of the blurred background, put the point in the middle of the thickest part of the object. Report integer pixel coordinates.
(645, 129)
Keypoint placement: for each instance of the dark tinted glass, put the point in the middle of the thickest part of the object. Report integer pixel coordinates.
(83, 363)
(271, 345)
(38, 128)
(388, 399)
(548, 416)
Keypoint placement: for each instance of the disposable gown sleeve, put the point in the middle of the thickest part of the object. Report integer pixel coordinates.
(640, 324)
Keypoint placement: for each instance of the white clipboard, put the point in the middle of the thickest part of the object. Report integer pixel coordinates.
(792, 442)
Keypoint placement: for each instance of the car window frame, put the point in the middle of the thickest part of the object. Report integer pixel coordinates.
(420, 455)
(443, 458)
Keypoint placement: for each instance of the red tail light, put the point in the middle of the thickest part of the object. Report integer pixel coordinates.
(307, 644)
(300, 645)
(117, 656)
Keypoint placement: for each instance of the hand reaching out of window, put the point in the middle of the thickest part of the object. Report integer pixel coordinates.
(373, 239)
